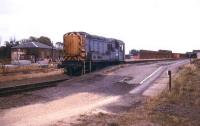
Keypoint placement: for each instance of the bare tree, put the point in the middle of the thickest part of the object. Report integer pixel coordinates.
(13, 41)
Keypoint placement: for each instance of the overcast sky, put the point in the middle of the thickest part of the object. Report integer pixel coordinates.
(141, 24)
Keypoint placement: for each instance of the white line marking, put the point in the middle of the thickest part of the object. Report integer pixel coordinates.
(151, 75)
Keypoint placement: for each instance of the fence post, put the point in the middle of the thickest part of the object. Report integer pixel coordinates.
(170, 80)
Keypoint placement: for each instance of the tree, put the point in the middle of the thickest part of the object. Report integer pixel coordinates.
(134, 52)
(32, 38)
(6, 51)
(59, 45)
(13, 42)
(45, 40)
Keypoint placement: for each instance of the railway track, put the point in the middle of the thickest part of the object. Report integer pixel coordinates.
(29, 87)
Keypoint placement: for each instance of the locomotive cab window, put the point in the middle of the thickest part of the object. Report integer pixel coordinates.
(121, 48)
(116, 45)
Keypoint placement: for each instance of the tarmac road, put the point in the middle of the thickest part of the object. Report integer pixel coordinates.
(82, 94)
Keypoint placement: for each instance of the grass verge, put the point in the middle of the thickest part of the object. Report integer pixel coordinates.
(181, 106)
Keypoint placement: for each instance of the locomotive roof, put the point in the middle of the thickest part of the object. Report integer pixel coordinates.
(98, 37)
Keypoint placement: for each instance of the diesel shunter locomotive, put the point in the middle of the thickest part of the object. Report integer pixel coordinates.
(84, 52)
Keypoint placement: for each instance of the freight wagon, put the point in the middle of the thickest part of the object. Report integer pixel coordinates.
(161, 54)
(84, 52)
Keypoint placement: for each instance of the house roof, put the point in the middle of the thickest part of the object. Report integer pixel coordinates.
(33, 45)
(195, 51)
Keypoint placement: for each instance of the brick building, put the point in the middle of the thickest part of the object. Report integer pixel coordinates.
(34, 51)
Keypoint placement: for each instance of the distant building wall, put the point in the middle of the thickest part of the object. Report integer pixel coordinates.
(39, 54)
(17, 53)
(198, 55)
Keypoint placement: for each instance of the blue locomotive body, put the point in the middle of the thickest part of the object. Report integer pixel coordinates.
(84, 52)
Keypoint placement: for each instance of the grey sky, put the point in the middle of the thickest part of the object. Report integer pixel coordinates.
(141, 24)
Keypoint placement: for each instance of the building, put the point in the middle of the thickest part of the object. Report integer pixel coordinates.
(197, 53)
(34, 51)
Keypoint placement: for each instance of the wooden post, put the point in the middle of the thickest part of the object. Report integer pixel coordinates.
(170, 80)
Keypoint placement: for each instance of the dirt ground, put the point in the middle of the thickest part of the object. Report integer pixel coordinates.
(101, 92)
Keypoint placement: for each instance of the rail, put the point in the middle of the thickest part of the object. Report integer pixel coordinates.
(29, 87)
